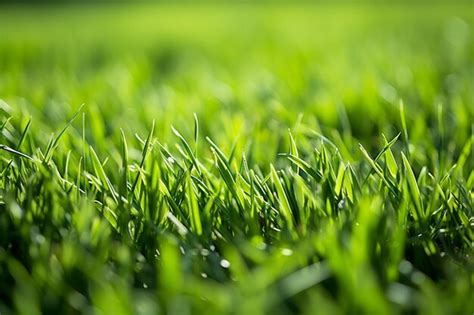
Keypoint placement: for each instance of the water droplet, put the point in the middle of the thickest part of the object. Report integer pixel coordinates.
(225, 263)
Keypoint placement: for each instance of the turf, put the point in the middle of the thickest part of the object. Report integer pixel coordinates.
(237, 159)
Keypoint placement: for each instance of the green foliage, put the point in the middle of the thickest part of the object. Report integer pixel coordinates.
(320, 161)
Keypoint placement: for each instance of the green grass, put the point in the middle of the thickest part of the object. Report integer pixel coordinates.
(237, 159)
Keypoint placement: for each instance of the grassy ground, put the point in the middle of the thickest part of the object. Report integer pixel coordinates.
(321, 159)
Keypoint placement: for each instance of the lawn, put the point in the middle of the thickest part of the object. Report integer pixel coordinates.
(237, 159)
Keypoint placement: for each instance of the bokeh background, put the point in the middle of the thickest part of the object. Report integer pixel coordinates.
(238, 65)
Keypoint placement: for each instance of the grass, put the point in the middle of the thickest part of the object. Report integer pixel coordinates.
(236, 159)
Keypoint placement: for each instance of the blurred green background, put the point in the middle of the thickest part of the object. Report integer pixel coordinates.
(238, 66)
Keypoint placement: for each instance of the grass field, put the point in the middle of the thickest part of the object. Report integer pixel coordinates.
(237, 159)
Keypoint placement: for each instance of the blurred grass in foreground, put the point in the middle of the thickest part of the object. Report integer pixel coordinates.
(262, 202)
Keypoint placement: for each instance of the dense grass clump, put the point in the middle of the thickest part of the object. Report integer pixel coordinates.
(279, 159)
